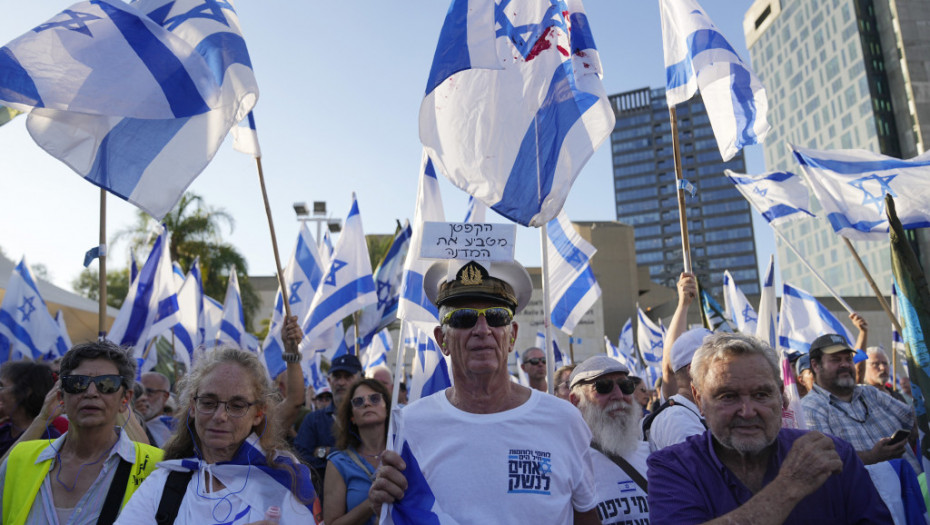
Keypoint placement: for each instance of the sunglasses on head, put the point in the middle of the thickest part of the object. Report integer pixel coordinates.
(606, 386)
(496, 316)
(107, 384)
(536, 360)
(374, 399)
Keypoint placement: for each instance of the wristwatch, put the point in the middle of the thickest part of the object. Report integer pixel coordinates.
(291, 357)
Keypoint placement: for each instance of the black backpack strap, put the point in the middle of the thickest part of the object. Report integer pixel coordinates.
(115, 494)
(626, 467)
(647, 421)
(171, 496)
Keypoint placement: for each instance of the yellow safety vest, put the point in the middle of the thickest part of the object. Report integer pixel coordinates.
(24, 477)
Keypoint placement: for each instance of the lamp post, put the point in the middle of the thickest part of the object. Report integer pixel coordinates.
(319, 217)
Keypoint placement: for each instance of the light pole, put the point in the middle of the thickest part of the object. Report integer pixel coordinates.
(319, 217)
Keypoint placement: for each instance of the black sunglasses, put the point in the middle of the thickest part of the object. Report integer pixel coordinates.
(464, 318)
(606, 386)
(536, 360)
(107, 384)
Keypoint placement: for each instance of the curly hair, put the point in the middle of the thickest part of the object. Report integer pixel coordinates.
(30, 382)
(347, 431)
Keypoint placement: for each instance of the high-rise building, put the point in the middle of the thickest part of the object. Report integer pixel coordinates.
(840, 74)
(719, 218)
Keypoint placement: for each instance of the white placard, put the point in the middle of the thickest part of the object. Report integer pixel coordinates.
(472, 241)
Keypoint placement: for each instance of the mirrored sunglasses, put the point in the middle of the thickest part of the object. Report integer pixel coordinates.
(107, 384)
(606, 386)
(536, 360)
(463, 318)
(373, 399)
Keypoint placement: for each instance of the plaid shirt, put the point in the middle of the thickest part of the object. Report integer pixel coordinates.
(868, 417)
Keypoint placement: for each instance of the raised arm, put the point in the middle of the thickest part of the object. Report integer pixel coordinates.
(687, 292)
(288, 408)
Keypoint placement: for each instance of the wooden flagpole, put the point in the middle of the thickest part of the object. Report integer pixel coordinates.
(878, 293)
(274, 239)
(102, 286)
(682, 215)
(550, 354)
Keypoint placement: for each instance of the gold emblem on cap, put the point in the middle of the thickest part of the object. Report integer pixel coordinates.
(471, 276)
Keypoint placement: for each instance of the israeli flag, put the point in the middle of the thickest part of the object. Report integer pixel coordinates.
(768, 312)
(430, 370)
(151, 306)
(737, 306)
(514, 103)
(615, 353)
(347, 284)
(315, 373)
(851, 186)
(388, 278)
(190, 304)
(302, 276)
(212, 319)
(476, 211)
(697, 55)
(560, 358)
(150, 161)
(802, 319)
(779, 196)
(712, 314)
(178, 273)
(27, 329)
(650, 339)
(573, 290)
(63, 329)
(625, 342)
(245, 136)
(522, 378)
(377, 351)
(414, 306)
(232, 329)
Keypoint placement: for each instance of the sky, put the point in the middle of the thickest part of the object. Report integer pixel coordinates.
(340, 90)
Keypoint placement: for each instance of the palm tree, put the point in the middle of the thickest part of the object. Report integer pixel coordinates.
(196, 230)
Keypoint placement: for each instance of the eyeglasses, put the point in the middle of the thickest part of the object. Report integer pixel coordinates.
(153, 391)
(373, 399)
(536, 360)
(606, 386)
(106, 384)
(463, 318)
(235, 408)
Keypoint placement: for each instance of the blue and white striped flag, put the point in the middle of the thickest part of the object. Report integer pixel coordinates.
(27, 329)
(232, 329)
(315, 375)
(767, 323)
(697, 55)
(178, 273)
(737, 306)
(522, 378)
(151, 161)
(302, 276)
(476, 211)
(851, 186)
(347, 284)
(377, 351)
(245, 136)
(802, 319)
(63, 329)
(151, 306)
(615, 353)
(212, 319)
(430, 372)
(388, 276)
(779, 196)
(415, 306)
(625, 343)
(514, 104)
(650, 338)
(190, 305)
(573, 290)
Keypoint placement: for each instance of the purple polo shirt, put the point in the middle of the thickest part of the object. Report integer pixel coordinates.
(689, 484)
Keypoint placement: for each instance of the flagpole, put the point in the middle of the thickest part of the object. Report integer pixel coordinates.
(102, 286)
(878, 293)
(819, 277)
(398, 362)
(355, 325)
(682, 216)
(550, 355)
(274, 239)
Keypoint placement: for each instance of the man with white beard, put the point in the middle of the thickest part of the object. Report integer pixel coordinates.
(602, 390)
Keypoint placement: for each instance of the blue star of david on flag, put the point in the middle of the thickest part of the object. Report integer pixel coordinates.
(209, 9)
(748, 314)
(75, 23)
(26, 308)
(760, 191)
(331, 276)
(526, 38)
(868, 198)
(294, 297)
(384, 293)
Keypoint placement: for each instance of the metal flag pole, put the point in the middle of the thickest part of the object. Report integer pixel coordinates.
(102, 285)
(550, 354)
(682, 215)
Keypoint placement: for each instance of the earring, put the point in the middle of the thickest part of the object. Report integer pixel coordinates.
(444, 345)
(512, 340)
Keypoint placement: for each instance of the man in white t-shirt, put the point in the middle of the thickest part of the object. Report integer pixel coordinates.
(602, 390)
(486, 450)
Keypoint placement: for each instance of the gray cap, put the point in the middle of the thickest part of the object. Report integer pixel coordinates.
(686, 345)
(593, 368)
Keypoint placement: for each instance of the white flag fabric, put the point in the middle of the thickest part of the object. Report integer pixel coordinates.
(803, 319)
(245, 136)
(212, 319)
(63, 328)
(388, 278)
(232, 329)
(150, 162)
(377, 351)
(779, 196)
(27, 329)
(625, 343)
(697, 55)
(650, 338)
(737, 306)
(522, 378)
(430, 371)
(415, 307)
(851, 186)
(615, 353)
(514, 103)
(573, 290)
(768, 312)
(187, 329)
(476, 211)
(347, 284)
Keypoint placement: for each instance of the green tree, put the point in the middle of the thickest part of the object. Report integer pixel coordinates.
(87, 284)
(196, 230)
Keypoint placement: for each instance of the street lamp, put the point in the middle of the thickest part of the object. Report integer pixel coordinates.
(319, 217)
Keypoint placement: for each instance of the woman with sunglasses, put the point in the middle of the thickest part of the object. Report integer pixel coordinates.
(227, 461)
(85, 476)
(361, 431)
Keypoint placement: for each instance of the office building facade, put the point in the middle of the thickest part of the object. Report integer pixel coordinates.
(719, 218)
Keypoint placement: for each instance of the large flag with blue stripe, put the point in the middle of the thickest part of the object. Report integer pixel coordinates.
(650, 338)
(347, 284)
(767, 320)
(851, 186)
(697, 55)
(388, 276)
(149, 160)
(187, 332)
(802, 319)
(27, 329)
(779, 196)
(573, 290)
(212, 319)
(514, 103)
(414, 305)
(737, 307)
(232, 329)
(430, 372)
(376, 354)
(151, 306)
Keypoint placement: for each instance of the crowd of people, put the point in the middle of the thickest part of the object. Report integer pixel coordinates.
(85, 442)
